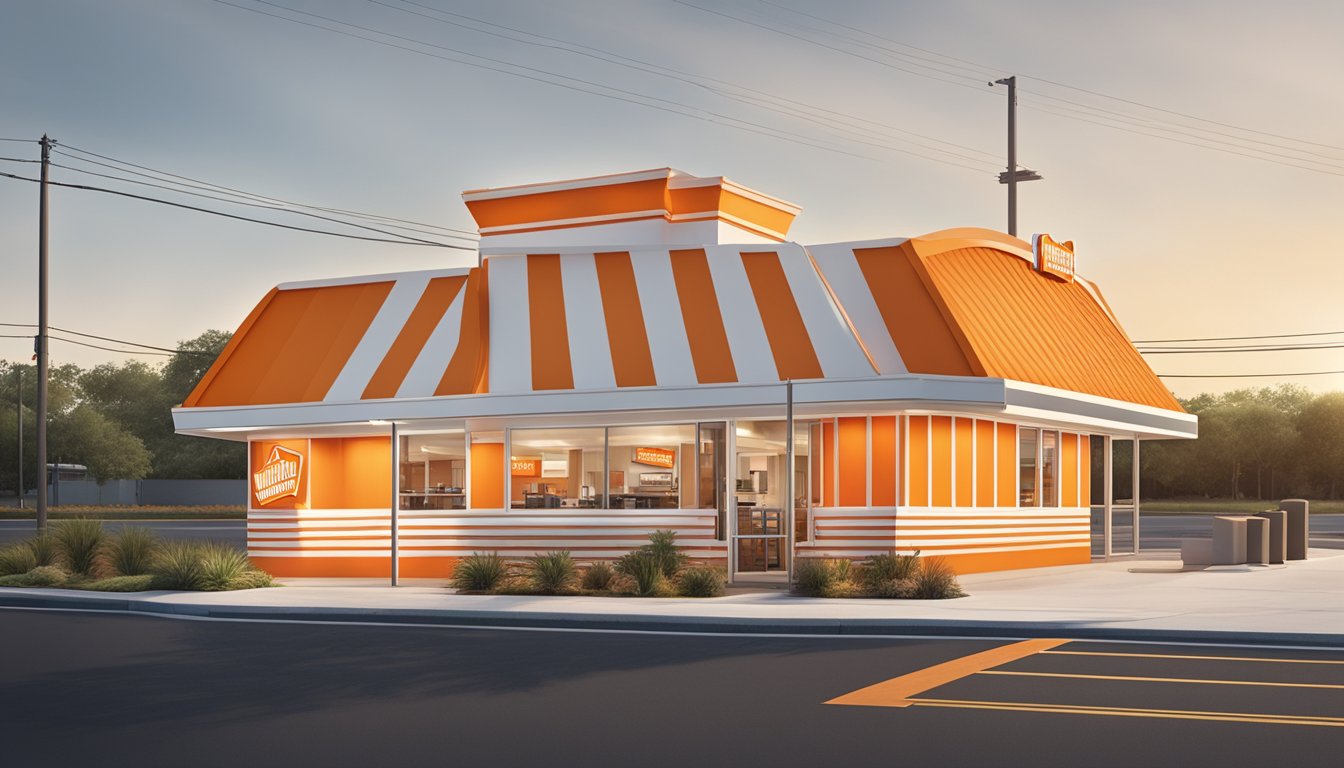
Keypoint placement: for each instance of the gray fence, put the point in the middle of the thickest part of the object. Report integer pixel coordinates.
(164, 493)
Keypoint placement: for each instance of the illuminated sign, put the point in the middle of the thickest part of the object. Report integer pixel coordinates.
(656, 457)
(525, 466)
(1053, 258)
(278, 478)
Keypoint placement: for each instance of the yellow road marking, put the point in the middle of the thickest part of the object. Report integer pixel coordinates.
(897, 691)
(1175, 714)
(1203, 658)
(1157, 679)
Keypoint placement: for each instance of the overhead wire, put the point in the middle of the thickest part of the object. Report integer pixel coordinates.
(105, 338)
(1242, 338)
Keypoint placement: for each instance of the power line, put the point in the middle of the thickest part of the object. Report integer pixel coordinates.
(238, 217)
(94, 346)
(106, 338)
(19, 160)
(1242, 338)
(251, 195)
(25, 141)
(1227, 350)
(1245, 375)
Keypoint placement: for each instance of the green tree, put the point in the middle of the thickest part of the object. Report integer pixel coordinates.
(85, 436)
(1321, 425)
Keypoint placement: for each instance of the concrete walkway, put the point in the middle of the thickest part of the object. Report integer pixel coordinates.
(1302, 602)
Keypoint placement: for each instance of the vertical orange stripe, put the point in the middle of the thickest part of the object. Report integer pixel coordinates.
(884, 461)
(940, 438)
(465, 373)
(853, 461)
(984, 463)
(900, 461)
(704, 322)
(913, 318)
(918, 457)
(815, 463)
(828, 463)
(1068, 470)
(795, 358)
(487, 476)
(429, 310)
(631, 359)
(551, 368)
(234, 341)
(1007, 471)
(1085, 482)
(965, 462)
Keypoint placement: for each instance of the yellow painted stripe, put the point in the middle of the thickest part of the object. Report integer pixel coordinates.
(1201, 658)
(897, 691)
(1134, 678)
(1175, 714)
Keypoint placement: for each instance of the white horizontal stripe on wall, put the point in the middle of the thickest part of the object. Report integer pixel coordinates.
(585, 321)
(510, 326)
(663, 323)
(841, 269)
(699, 553)
(377, 340)
(429, 366)
(747, 341)
(837, 349)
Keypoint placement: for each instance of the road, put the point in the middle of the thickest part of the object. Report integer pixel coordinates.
(231, 531)
(102, 689)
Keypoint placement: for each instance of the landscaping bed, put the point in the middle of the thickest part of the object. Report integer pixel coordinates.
(113, 513)
(900, 577)
(79, 554)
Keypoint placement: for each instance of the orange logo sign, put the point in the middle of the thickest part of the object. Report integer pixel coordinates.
(279, 476)
(1053, 258)
(656, 457)
(525, 466)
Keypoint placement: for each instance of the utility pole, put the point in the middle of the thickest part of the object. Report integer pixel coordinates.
(42, 337)
(18, 407)
(1013, 175)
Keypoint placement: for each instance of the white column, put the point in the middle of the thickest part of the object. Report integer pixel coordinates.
(396, 498)
(1135, 481)
(1108, 494)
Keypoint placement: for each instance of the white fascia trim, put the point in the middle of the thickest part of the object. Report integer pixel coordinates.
(494, 193)
(1026, 386)
(380, 278)
(630, 249)
(881, 242)
(820, 396)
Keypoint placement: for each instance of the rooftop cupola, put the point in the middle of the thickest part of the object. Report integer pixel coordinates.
(658, 207)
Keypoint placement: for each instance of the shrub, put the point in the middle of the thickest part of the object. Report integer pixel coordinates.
(598, 577)
(131, 552)
(251, 579)
(881, 569)
(552, 573)
(645, 569)
(480, 573)
(138, 583)
(44, 548)
(842, 569)
(41, 576)
(936, 580)
(812, 576)
(701, 581)
(178, 566)
(79, 543)
(220, 564)
(900, 589)
(16, 559)
(663, 546)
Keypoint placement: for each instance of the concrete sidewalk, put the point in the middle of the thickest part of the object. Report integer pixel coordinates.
(1302, 603)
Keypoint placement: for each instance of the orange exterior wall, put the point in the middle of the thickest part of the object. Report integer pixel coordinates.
(985, 474)
(352, 473)
(884, 461)
(1068, 470)
(853, 432)
(918, 458)
(487, 476)
(1007, 465)
(964, 448)
(828, 463)
(940, 457)
(1085, 442)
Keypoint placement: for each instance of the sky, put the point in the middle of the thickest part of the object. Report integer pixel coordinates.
(1184, 240)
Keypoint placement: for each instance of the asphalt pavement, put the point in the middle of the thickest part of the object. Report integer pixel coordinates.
(132, 690)
(228, 531)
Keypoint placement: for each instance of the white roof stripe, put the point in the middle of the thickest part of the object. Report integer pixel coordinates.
(510, 329)
(842, 272)
(663, 323)
(837, 350)
(741, 318)
(427, 370)
(378, 339)
(589, 349)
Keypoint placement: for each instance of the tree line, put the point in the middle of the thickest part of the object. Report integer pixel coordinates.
(114, 419)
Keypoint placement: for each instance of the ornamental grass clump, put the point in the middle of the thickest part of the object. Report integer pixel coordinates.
(480, 573)
(700, 581)
(812, 577)
(663, 547)
(41, 576)
(44, 549)
(598, 577)
(79, 543)
(645, 570)
(131, 551)
(553, 573)
(178, 566)
(936, 580)
(16, 559)
(881, 569)
(220, 566)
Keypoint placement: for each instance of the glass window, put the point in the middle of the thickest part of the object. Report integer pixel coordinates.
(651, 466)
(1050, 469)
(553, 468)
(1027, 440)
(712, 473)
(433, 471)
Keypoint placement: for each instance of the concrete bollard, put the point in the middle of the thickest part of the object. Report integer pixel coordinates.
(1278, 542)
(1257, 540)
(1229, 540)
(1297, 531)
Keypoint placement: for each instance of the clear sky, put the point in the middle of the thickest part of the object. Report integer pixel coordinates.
(1185, 241)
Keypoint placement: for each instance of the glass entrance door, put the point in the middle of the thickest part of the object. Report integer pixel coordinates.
(760, 502)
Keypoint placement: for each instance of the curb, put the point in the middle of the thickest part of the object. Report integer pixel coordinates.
(673, 624)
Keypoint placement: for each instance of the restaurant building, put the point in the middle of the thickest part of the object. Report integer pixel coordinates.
(649, 351)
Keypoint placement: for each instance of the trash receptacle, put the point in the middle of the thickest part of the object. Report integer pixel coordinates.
(1297, 531)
